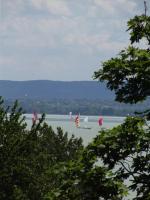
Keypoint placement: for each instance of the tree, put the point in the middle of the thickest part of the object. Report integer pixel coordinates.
(86, 180)
(126, 148)
(30, 158)
(129, 73)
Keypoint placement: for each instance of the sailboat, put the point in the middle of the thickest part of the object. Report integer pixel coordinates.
(34, 118)
(70, 116)
(86, 119)
(100, 121)
(77, 122)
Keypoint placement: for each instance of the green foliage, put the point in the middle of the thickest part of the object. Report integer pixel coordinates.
(129, 73)
(85, 181)
(139, 28)
(115, 163)
(125, 149)
(30, 158)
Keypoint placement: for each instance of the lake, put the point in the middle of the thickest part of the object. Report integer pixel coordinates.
(68, 125)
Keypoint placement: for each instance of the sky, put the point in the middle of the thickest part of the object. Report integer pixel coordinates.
(63, 40)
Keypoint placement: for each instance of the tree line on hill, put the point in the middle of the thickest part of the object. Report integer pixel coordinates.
(82, 106)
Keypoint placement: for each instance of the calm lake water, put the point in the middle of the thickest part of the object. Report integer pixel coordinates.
(68, 125)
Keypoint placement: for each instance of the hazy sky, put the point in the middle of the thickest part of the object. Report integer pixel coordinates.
(61, 39)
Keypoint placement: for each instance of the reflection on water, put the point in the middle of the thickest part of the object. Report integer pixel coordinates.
(68, 125)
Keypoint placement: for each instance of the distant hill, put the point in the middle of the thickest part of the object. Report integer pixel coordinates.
(47, 90)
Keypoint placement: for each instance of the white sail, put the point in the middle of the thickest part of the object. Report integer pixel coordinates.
(70, 115)
(86, 119)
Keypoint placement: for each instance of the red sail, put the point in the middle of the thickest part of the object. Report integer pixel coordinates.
(100, 121)
(77, 121)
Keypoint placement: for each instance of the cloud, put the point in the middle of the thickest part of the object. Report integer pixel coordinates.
(5, 60)
(91, 44)
(44, 37)
(56, 7)
(117, 6)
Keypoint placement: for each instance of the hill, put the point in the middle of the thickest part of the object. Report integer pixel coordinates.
(47, 90)
(60, 97)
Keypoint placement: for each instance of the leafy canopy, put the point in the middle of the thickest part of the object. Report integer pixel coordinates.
(129, 73)
(31, 159)
(126, 149)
